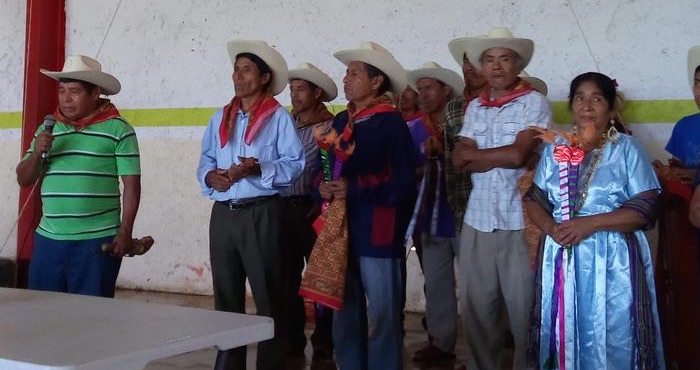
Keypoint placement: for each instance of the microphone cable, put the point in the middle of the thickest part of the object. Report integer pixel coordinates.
(21, 211)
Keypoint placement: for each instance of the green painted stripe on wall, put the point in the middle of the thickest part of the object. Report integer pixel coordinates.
(168, 116)
(636, 111)
(10, 120)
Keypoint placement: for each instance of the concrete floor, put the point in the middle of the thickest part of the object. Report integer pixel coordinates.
(204, 359)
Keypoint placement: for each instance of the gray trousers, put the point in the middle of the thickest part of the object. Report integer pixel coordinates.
(496, 278)
(244, 243)
(440, 296)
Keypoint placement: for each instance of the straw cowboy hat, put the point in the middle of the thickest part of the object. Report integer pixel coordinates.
(498, 37)
(309, 72)
(458, 48)
(693, 63)
(434, 71)
(82, 68)
(268, 54)
(377, 56)
(535, 82)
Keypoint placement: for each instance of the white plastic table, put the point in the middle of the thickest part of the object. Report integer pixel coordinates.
(45, 330)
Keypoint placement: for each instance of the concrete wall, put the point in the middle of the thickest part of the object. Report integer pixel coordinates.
(171, 55)
(12, 16)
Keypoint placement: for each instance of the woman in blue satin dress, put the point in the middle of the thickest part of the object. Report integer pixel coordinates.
(595, 301)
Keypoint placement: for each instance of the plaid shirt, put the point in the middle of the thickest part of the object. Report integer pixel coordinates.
(458, 184)
(494, 202)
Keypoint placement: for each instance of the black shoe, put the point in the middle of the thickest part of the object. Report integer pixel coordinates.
(432, 353)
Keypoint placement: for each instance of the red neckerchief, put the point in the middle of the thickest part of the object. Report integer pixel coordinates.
(520, 89)
(104, 112)
(381, 104)
(259, 113)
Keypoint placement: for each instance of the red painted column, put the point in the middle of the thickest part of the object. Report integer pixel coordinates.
(44, 48)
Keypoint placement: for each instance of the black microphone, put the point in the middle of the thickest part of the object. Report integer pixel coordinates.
(49, 121)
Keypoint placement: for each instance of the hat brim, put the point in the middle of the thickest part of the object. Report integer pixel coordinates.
(108, 84)
(693, 63)
(475, 46)
(537, 84)
(458, 47)
(268, 54)
(330, 91)
(446, 76)
(397, 75)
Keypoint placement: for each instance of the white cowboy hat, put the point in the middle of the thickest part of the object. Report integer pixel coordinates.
(82, 68)
(268, 54)
(498, 37)
(693, 63)
(309, 72)
(434, 71)
(377, 56)
(458, 47)
(539, 85)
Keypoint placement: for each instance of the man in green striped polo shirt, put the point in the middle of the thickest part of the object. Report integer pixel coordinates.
(78, 165)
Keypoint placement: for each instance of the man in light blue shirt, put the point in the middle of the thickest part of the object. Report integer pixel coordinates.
(250, 151)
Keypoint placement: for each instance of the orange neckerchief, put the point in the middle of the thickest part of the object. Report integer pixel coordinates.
(433, 145)
(105, 111)
(320, 114)
(261, 110)
(520, 89)
(434, 128)
(346, 145)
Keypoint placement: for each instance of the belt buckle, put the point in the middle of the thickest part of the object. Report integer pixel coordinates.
(233, 206)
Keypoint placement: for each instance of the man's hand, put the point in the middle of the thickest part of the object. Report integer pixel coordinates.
(123, 243)
(218, 179)
(333, 189)
(251, 165)
(43, 142)
(235, 173)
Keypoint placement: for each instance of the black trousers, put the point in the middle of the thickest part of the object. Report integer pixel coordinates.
(244, 243)
(298, 239)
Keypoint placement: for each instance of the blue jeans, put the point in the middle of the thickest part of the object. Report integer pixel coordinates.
(372, 300)
(73, 266)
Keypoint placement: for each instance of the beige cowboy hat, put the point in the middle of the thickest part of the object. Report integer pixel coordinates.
(82, 68)
(268, 54)
(435, 71)
(311, 73)
(693, 63)
(377, 56)
(539, 85)
(458, 47)
(498, 37)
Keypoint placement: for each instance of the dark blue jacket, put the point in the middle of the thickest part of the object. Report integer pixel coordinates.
(381, 184)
